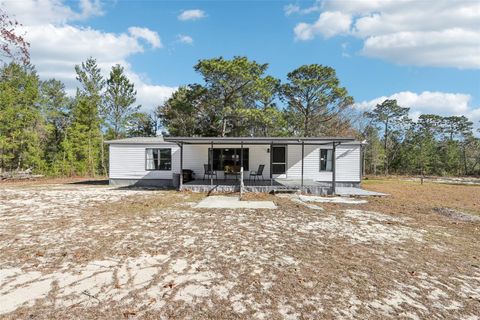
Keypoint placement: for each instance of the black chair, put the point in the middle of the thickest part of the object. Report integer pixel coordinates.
(208, 173)
(258, 173)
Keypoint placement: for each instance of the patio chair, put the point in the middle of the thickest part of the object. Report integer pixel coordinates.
(258, 173)
(208, 173)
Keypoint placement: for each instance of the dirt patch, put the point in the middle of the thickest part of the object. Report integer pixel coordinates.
(76, 251)
(457, 215)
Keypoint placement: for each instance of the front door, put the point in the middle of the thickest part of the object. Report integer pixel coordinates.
(279, 161)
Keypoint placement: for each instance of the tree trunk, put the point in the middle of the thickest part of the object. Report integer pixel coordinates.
(224, 127)
(102, 150)
(385, 148)
(306, 124)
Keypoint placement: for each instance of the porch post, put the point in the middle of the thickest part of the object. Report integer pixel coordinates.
(241, 158)
(181, 166)
(211, 164)
(271, 164)
(303, 155)
(241, 154)
(334, 178)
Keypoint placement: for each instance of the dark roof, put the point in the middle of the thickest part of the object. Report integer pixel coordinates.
(260, 140)
(235, 140)
(138, 140)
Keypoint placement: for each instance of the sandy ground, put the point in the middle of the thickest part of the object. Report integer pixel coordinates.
(82, 251)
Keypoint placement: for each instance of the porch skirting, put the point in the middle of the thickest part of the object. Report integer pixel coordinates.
(309, 187)
(160, 183)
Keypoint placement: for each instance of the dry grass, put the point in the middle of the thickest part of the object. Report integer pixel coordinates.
(422, 198)
(96, 252)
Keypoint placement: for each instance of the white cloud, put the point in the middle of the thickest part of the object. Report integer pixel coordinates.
(91, 8)
(443, 33)
(38, 12)
(451, 48)
(144, 33)
(182, 38)
(428, 102)
(57, 46)
(148, 95)
(328, 24)
(290, 9)
(193, 14)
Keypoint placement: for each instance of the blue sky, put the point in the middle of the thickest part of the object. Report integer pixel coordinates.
(428, 61)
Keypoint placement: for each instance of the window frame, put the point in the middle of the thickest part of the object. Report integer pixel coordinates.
(276, 164)
(328, 151)
(221, 158)
(159, 159)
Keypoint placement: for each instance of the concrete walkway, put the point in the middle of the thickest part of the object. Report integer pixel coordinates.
(224, 202)
(342, 200)
(351, 191)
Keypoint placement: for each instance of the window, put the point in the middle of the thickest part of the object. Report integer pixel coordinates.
(279, 159)
(326, 159)
(158, 159)
(228, 158)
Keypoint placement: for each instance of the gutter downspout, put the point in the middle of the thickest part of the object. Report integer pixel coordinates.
(303, 156)
(334, 178)
(211, 164)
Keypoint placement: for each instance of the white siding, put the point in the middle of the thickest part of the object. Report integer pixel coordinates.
(347, 164)
(127, 161)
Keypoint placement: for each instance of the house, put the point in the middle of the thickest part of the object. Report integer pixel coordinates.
(314, 165)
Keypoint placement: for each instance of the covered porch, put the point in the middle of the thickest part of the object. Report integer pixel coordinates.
(201, 154)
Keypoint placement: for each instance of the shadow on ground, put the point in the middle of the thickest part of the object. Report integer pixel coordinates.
(91, 182)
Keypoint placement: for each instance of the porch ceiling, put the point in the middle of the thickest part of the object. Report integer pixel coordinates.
(261, 140)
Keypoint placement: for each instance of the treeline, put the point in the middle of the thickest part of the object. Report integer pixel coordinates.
(238, 98)
(43, 128)
(433, 145)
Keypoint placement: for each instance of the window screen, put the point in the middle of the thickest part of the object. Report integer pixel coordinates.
(229, 157)
(326, 159)
(158, 159)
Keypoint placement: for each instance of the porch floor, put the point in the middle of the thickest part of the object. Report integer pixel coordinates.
(232, 185)
(266, 182)
(309, 187)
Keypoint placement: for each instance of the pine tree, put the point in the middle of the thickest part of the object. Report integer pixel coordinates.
(21, 125)
(84, 135)
(393, 118)
(55, 107)
(119, 98)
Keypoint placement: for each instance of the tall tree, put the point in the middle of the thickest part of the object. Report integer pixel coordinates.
(314, 92)
(231, 84)
(141, 124)
(13, 46)
(373, 150)
(120, 96)
(21, 125)
(393, 119)
(186, 113)
(459, 128)
(428, 128)
(84, 136)
(55, 107)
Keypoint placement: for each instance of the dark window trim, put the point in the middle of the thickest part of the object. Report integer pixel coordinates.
(246, 159)
(159, 159)
(285, 164)
(326, 164)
